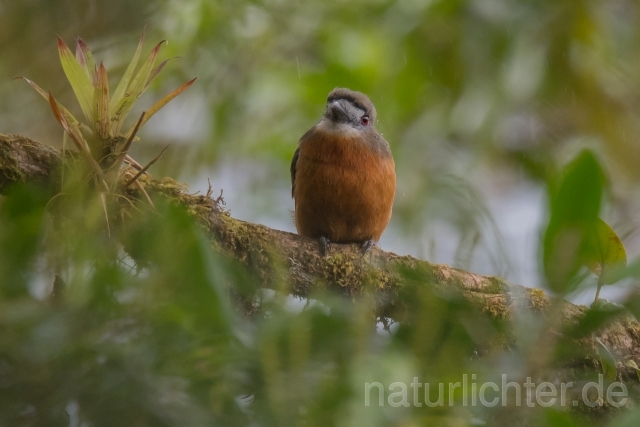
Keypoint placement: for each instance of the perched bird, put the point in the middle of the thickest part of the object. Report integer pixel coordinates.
(343, 176)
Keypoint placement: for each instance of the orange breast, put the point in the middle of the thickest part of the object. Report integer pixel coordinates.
(343, 190)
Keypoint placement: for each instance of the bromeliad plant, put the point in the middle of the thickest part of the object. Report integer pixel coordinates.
(101, 141)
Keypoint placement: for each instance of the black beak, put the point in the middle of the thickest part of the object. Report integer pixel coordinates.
(337, 112)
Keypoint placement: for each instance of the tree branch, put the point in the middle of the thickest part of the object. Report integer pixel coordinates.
(280, 259)
(25, 161)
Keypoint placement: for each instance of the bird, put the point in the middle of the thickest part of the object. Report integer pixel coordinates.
(343, 177)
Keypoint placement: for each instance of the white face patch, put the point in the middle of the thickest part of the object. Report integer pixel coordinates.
(343, 129)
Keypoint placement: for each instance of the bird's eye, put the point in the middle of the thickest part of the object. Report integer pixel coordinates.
(364, 120)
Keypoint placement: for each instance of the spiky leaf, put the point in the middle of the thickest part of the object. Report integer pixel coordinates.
(135, 89)
(155, 72)
(86, 61)
(76, 136)
(124, 81)
(101, 103)
(82, 86)
(71, 129)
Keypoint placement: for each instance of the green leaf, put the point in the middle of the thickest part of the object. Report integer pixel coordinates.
(603, 252)
(85, 59)
(578, 195)
(607, 360)
(575, 204)
(82, 86)
(135, 90)
(124, 81)
(101, 103)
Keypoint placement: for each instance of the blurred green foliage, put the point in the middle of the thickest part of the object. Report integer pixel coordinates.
(163, 341)
(469, 93)
(575, 206)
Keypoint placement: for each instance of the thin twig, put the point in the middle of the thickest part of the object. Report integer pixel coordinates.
(131, 161)
(127, 144)
(209, 189)
(144, 169)
(106, 215)
(141, 188)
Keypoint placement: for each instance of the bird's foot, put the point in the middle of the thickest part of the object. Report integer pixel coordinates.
(324, 245)
(368, 244)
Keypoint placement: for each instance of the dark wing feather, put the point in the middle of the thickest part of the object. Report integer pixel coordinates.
(296, 156)
(294, 162)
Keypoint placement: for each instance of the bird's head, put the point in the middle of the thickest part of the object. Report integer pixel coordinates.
(351, 114)
(350, 108)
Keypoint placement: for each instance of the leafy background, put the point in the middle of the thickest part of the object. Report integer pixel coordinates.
(483, 103)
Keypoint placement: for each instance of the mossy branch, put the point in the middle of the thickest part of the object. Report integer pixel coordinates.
(281, 259)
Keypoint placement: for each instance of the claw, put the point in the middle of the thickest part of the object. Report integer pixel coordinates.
(324, 245)
(368, 244)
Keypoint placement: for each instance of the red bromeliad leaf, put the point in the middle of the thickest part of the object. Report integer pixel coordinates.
(86, 61)
(56, 110)
(101, 103)
(154, 73)
(76, 136)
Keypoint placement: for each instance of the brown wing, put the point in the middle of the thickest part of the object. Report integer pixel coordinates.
(296, 155)
(294, 162)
